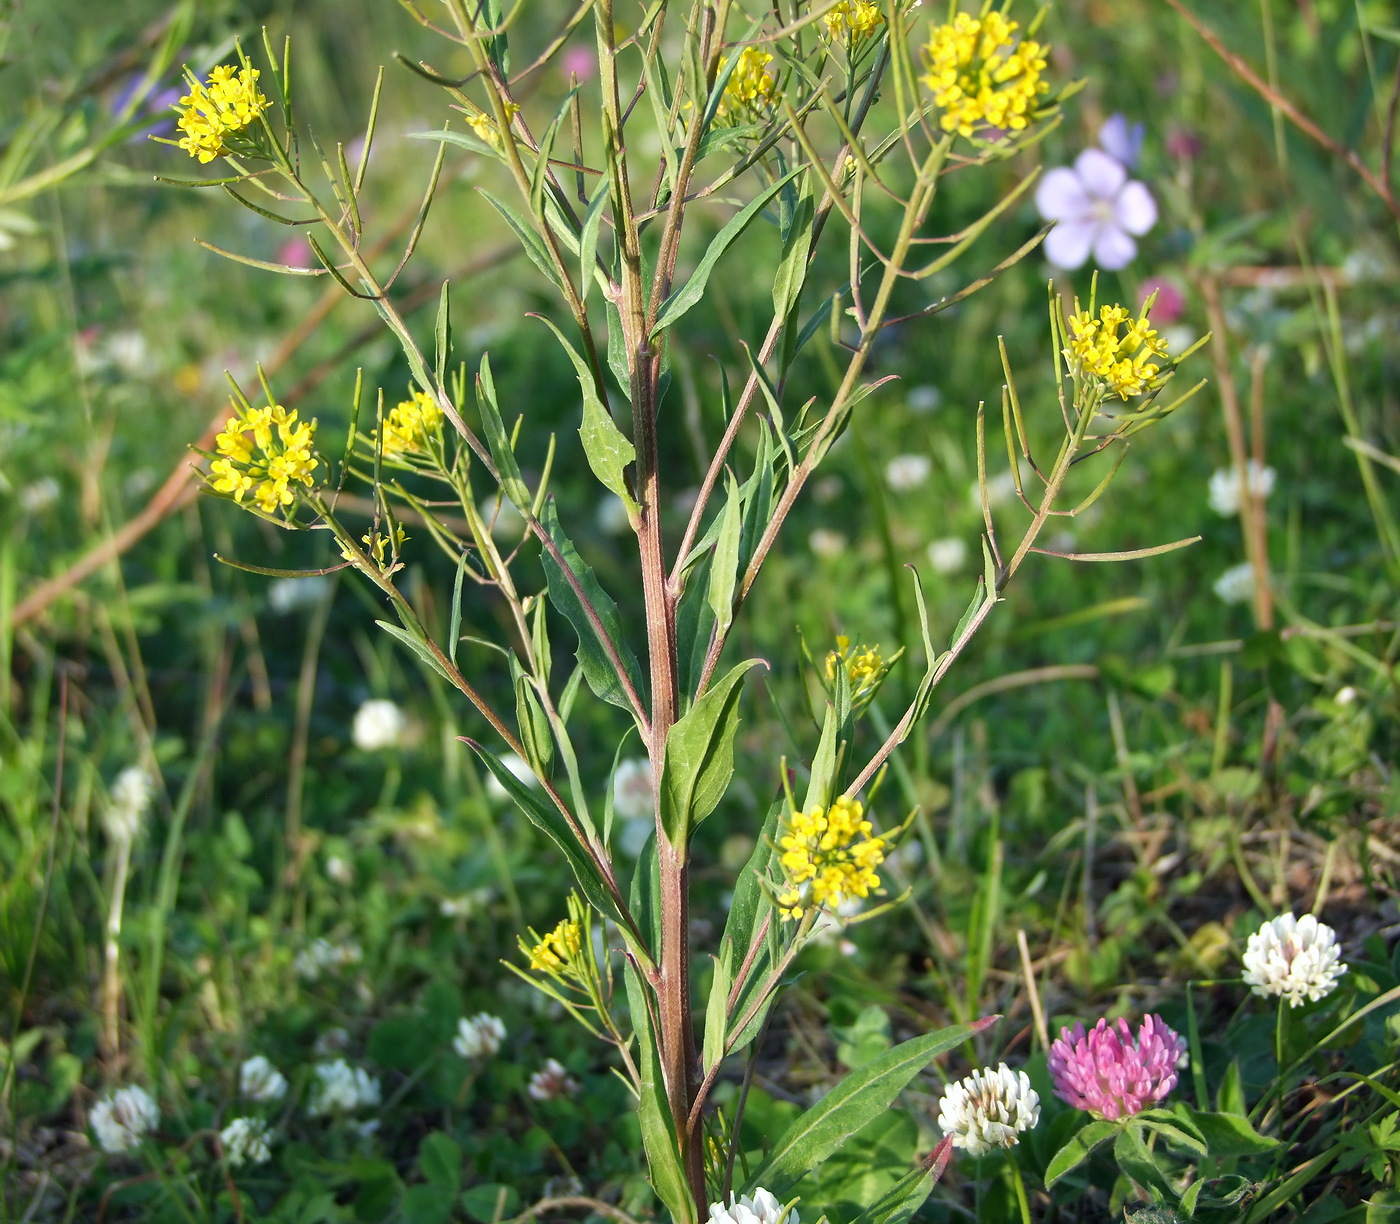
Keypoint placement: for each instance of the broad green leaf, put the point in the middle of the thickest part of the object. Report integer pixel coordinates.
(491, 1201)
(716, 1009)
(861, 1096)
(724, 565)
(588, 239)
(1229, 1134)
(1078, 1149)
(691, 292)
(423, 1205)
(795, 222)
(542, 813)
(908, 1194)
(593, 639)
(664, 1164)
(1137, 1162)
(529, 239)
(700, 756)
(607, 448)
(1176, 1128)
(440, 1158)
(498, 441)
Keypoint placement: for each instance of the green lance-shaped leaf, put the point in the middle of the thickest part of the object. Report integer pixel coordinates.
(700, 756)
(442, 335)
(823, 776)
(795, 223)
(535, 736)
(1229, 1134)
(1080, 1146)
(542, 813)
(593, 639)
(607, 448)
(724, 567)
(716, 1009)
(664, 1165)
(1136, 1160)
(907, 1195)
(498, 441)
(856, 1100)
(529, 238)
(416, 645)
(691, 292)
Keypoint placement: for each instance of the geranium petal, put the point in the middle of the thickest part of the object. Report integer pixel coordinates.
(1061, 196)
(1136, 210)
(1101, 176)
(1121, 140)
(1113, 249)
(1067, 245)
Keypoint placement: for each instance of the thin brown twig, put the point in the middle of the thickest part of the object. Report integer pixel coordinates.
(1286, 108)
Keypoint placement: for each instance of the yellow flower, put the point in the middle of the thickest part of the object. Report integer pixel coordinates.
(558, 949)
(865, 667)
(227, 103)
(980, 76)
(1123, 364)
(751, 88)
(376, 543)
(485, 127)
(853, 19)
(265, 453)
(410, 425)
(828, 855)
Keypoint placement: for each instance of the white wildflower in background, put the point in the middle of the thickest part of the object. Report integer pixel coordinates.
(122, 1120)
(322, 955)
(924, 398)
(38, 496)
(501, 517)
(632, 840)
(633, 796)
(464, 905)
(479, 1036)
(289, 594)
(1225, 487)
(827, 489)
(1294, 959)
(1346, 695)
(332, 1041)
(259, 1080)
(1236, 584)
(128, 805)
(760, 1208)
(611, 516)
(519, 769)
(1001, 488)
(988, 1109)
(552, 1081)
(341, 1088)
(245, 1141)
(826, 544)
(339, 870)
(906, 472)
(1099, 210)
(947, 556)
(379, 724)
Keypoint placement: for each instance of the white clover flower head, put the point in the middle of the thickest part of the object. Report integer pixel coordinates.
(128, 805)
(988, 1109)
(1293, 958)
(320, 956)
(1236, 584)
(479, 1036)
(464, 905)
(923, 398)
(1001, 488)
(122, 1120)
(39, 495)
(332, 1041)
(379, 724)
(762, 1207)
(948, 555)
(1098, 208)
(339, 870)
(552, 1081)
(519, 769)
(245, 1141)
(259, 1080)
(826, 543)
(633, 795)
(1225, 487)
(286, 595)
(340, 1088)
(904, 473)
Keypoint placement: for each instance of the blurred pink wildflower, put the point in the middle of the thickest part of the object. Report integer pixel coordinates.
(1098, 208)
(1105, 1073)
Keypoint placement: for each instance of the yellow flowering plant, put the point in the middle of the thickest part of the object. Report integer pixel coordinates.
(760, 120)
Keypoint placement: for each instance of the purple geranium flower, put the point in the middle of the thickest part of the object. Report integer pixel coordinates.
(1098, 209)
(1121, 140)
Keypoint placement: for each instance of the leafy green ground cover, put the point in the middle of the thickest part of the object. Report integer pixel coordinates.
(1121, 779)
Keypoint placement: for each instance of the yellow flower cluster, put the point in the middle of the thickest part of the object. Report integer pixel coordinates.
(853, 19)
(377, 543)
(751, 88)
(227, 103)
(828, 855)
(484, 127)
(264, 452)
(980, 75)
(558, 949)
(1124, 364)
(865, 667)
(410, 425)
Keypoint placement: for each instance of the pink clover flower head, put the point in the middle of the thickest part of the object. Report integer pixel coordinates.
(1110, 1076)
(1099, 210)
(1294, 959)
